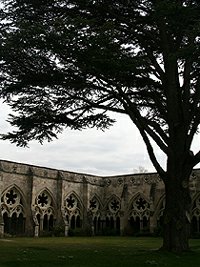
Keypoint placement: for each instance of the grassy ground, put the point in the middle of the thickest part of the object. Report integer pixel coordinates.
(92, 252)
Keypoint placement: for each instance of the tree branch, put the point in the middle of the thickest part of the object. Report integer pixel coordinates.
(196, 159)
(140, 122)
(152, 156)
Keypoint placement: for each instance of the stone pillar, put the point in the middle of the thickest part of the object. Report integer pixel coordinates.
(29, 224)
(66, 230)
(1, 230)
(123, 223)
(85, 203)
(66, 222)
(41, 223)
(1, 217)
(152, 224)
(59, 199)
(123, 213)
(152, 219)
(36, 232)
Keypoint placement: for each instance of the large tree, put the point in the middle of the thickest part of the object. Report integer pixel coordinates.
(68, 63)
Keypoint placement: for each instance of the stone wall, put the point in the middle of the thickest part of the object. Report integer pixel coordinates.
(37, 200)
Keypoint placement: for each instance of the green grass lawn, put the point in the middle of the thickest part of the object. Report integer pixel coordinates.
(93, 251)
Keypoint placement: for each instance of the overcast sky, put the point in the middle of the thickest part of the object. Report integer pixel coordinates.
(119, 150)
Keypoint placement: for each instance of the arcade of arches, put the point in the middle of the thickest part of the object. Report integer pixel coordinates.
(34, 200)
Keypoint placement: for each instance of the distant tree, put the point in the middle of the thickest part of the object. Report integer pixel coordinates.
(67, 63)
(140, 169)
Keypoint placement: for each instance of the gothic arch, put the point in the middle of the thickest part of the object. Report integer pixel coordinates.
(17, 188)
(135, 197)
(159, 208)
(13, 207)
(73, 210)
(97, 197)
(195, 197)
(112, 218)
(139, 213)
(113, 205)
(48, 192)
(195, 214)
(73, 201)
(44, 210)
(13, 197)
(95, 212)
(95, 205)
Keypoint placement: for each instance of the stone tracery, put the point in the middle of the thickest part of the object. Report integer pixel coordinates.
(195, 215)
(112, 214)
(77, 199)
(96, 209)
(13, 211)
(72, 211)
(43, 211)
(139, 214)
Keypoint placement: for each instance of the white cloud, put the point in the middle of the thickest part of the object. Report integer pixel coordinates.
(118, 150)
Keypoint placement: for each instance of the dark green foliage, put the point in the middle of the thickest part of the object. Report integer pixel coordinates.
(67, 63)
(64, 63)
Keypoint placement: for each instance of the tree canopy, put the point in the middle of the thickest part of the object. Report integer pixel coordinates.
(67, 63)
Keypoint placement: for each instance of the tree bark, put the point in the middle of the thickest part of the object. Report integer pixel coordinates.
(177, 208)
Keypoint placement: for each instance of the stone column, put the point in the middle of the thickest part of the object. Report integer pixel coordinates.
(36, 232)
(85, 203)
(152, 219)
(29, 224)
(41, 223)
(123, 212)
(1, 227)
(66, 222)
(1, 217)
(59, 198)
(66, 230)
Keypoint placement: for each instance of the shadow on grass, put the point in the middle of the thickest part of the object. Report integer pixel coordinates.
(95, 251)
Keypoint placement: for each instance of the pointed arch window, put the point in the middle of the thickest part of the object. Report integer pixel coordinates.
(139, 214)
(112, 220)
(113, 206)
(94, 205)
(195, 222)
(13, 211)
(44, 212)
(95, 209)
(73, 211)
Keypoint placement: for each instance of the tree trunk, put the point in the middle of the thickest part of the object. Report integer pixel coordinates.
(177, 208)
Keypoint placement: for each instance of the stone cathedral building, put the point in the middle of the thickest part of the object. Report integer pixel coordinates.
(35, 200)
